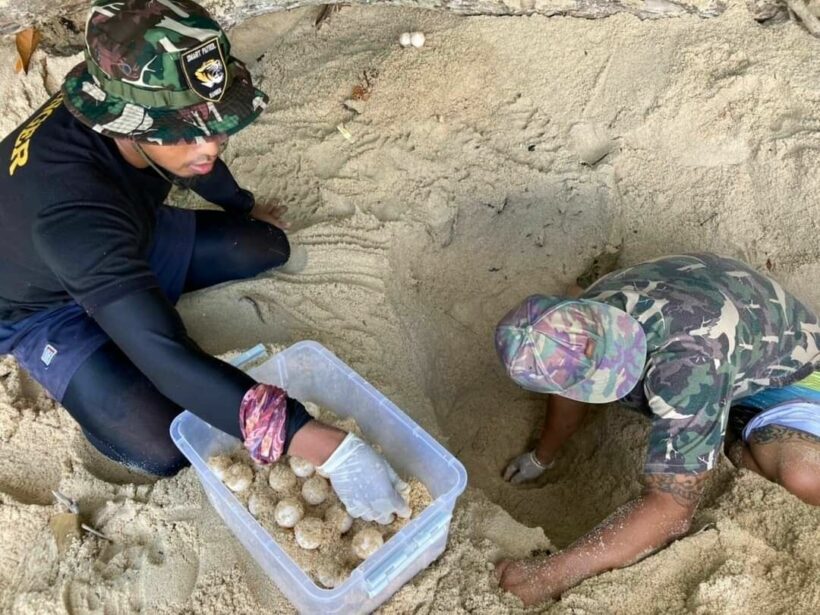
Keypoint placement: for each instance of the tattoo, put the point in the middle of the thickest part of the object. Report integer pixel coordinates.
(777, 433)
(686, 489)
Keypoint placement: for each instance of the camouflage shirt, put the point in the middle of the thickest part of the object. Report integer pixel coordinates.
(716, 330)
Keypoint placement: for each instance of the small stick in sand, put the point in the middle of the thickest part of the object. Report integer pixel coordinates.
(71, 505)
(91, 530)
(344, 132)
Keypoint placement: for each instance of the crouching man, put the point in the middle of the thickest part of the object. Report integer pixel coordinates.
(682, 339)
(92, 260)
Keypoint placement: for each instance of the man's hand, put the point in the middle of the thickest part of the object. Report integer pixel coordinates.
(365, 483)
(271, 213)
(532, 580)
(525, 467)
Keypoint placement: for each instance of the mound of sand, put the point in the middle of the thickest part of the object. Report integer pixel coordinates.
(492, 163)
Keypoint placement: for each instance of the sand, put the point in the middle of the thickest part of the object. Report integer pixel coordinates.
(496, 161)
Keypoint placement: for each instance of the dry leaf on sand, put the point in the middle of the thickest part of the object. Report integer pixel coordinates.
(26, 41)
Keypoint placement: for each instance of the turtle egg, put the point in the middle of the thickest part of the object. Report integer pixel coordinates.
(417, 39)
(312, 409)
(330, 574)
(405, 39)
(315, 490)
(260, 504)
(308, 533)
(238, 477)
(367, 542)
(219, 465)
(337, 518)
(301, 467)
(281, 478)
(288, 512)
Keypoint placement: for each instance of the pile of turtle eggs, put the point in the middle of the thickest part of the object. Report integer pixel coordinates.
(286, 503)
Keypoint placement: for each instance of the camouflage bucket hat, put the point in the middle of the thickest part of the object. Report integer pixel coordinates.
(580, 349)
(159, 71)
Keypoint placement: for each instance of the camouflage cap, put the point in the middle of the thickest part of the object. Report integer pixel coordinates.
(580, 349)
(159, 71)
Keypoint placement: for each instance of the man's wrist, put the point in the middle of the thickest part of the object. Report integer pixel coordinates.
(316, 442)
(539, 461)
(297, 418)
(561, 572)
(247, 201)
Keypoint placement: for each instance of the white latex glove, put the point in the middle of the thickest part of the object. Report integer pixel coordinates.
(525, 467)
(365, 483)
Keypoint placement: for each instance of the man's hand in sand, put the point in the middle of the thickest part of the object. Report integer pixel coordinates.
(525, 468)
(532, 580)
(272, 213)
(563, 417)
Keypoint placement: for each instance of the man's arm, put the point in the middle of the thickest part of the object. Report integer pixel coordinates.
(220, 187)
(148, 329)
(563, 415)
(563, 418)
(640, 527)
(316, 442)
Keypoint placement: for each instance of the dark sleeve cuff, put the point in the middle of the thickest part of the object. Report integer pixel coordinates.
(243, 202)
(297, 418)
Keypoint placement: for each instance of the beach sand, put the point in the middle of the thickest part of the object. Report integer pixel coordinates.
(492, 163)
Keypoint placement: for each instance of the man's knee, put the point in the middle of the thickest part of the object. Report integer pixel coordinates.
(801, 479)
(155, 457)
(265, 247)
(165, 465)
(280, 254)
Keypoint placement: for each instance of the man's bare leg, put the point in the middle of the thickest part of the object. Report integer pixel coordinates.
(786, 456)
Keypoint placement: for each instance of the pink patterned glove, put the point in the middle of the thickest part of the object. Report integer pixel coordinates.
(262, 420)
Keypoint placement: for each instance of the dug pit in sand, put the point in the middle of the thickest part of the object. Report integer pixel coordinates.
(708, 138)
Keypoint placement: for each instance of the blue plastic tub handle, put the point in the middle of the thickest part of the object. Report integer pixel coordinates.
(249, 355)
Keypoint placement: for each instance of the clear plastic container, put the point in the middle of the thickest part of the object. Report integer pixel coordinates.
(310, 372)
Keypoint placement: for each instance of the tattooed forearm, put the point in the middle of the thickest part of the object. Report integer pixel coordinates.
(686, 489)
(775, 433)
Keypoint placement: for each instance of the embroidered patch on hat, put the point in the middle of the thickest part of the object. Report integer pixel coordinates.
(205, 70)
(49, 352)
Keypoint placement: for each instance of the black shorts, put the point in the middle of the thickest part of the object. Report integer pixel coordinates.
(53, 344)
